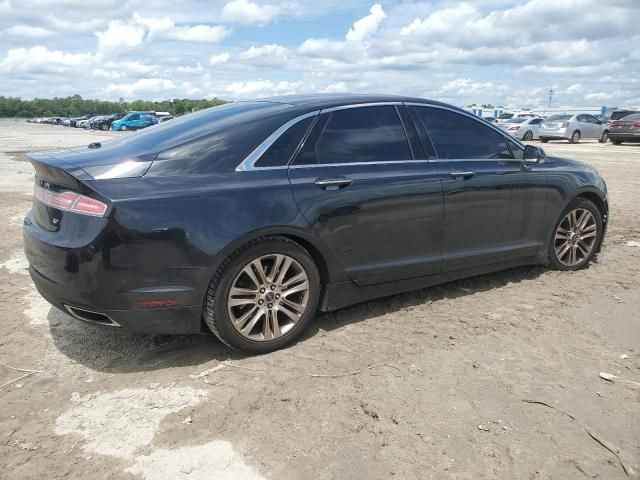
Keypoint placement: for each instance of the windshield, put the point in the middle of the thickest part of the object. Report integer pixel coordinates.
(556, 118)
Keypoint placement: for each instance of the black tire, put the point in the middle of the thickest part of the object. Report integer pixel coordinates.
(616, 142)
(575, 137)
(216, 314)
(604, 137)
(528, 136)
(578, 203)
(544, 140)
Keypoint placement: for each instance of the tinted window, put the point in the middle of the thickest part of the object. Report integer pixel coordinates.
(219, 151)
(516, 150)
(285, 146)
(535, 121)
(456, 136)
(635, 116)
(558, 118)
(621, 114)
(366, 134)
(134, 117)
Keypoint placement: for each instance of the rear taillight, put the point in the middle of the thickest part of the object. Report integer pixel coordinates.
(70, 202)
(616, 123)
(564, 125)
(513, 129)
(636, 124)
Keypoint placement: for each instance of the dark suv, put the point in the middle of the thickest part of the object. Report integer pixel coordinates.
(245, 219)
(104, 122)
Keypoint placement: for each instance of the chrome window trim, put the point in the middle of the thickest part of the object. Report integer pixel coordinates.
(466, 114)
(390, 162)
(248, 163)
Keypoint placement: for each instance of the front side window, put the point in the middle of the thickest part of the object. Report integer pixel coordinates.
(456, 136)
(134, 117)
(363, 135)
(535, 121)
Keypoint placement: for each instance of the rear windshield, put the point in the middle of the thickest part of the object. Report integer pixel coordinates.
(505, 116)
(622, 114)
(518, 120)
(555, 118)
(634, 116)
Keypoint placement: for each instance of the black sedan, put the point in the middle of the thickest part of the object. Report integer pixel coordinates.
(245, 219)
(627, 129)
(104, 122)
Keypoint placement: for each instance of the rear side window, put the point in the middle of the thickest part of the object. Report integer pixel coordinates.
(281, 151)
(134, 117)
(363, 135)
(456, 136)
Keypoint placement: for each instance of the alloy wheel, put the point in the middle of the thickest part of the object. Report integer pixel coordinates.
(575, 237)
(268, 297)
(528, 135)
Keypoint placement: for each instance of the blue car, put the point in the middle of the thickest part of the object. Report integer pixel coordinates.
(134, 121)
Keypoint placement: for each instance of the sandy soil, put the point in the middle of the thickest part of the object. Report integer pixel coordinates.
(441, 386)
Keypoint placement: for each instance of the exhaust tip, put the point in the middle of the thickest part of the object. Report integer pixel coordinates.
(90, 316)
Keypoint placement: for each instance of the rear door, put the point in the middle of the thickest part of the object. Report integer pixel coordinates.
(492, 210)
(364, 183)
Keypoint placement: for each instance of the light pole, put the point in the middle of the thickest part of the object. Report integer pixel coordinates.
(551, 92)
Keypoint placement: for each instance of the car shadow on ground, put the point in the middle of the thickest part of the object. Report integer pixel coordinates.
(112, 351)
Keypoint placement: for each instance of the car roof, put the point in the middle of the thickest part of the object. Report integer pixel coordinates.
(328, 100)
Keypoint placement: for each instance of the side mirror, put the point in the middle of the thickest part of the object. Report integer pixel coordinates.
(533, 154)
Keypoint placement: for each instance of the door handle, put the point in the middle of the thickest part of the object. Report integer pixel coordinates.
(462, 174)
(333, 183)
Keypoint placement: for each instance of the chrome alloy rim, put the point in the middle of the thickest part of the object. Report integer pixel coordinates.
(575, 237)
(268, 297)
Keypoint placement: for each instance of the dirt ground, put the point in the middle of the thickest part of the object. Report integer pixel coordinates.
(437, 384)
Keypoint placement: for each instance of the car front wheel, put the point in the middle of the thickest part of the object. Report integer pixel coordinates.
(123, 128)
(263, 296)
(604, 137)
(576, 236)
(575, 137)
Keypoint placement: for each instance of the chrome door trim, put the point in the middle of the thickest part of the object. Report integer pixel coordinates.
(248, 163)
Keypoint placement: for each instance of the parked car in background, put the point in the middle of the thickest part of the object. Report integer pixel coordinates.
(135, 121)
(573, 128)
(248, 217)
(73, 122)
(620, 114)
(104, 122)
(627, 129)
(491, 119)
(84, 123)
(165, 118)
(524, 128)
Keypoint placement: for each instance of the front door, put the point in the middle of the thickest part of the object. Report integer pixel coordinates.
(490, 213)
(357, 182)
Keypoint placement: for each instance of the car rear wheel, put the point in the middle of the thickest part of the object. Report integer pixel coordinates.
(123, 128)
(263, 296)
(528, 135)
(575, 137)
(616, 142)
(604, 137)
(544, 140)
(576, 236)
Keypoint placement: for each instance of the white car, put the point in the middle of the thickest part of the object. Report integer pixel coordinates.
(573, 128)
(524, 128)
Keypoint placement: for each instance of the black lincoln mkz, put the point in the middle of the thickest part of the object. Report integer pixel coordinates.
(246, 219)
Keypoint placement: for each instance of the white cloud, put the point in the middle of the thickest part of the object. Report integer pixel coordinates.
(144, 86)
(368, 25)
(120, 35)
(40, 59)
(199, 33)
(247, 12)
(27, 31)
(262, 88)
(219, 58)
(154, 26)
(190, 69)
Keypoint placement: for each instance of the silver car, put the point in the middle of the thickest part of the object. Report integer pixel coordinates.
(573, 128)
(524, 128)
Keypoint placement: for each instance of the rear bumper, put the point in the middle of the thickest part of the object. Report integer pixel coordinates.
(150, 321)
(102, 283)
(624, 137)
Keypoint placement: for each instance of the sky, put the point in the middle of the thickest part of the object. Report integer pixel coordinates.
(503, 52)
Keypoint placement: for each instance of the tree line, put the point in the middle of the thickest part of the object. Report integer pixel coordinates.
(76, 105)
